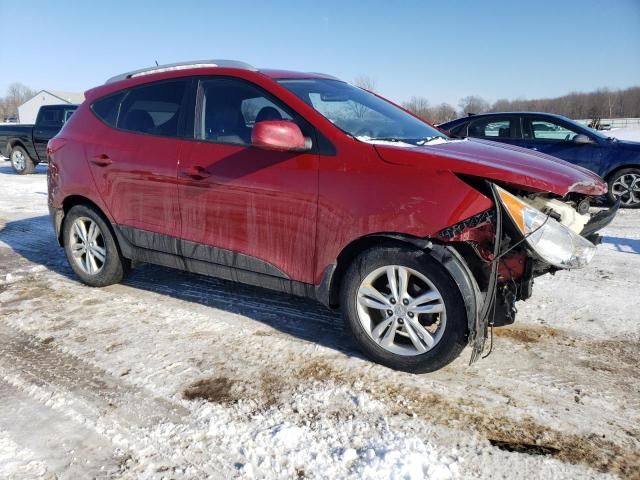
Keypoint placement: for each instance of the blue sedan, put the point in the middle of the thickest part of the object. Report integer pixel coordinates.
(617, 161)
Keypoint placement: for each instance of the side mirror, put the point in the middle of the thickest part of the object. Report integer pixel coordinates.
(582, 139)
(278, 135)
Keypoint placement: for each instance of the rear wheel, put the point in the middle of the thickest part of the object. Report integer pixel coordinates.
(21, 161)
(625, 186)
(404, 309)
(91, 248)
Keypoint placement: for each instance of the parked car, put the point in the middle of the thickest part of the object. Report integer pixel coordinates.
(26, 145)
(617, 161)
(302, 183)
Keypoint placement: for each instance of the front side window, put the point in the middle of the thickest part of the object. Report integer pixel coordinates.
(229, 109)
(152, 109)
(361, 114)
(545, 130)
(67, 114)
(493, 128)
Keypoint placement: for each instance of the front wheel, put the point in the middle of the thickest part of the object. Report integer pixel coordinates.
(625, 186)
(404, 309)
(91, 248)
(21, 161)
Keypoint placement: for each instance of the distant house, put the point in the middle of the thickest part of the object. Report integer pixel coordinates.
(28, 111)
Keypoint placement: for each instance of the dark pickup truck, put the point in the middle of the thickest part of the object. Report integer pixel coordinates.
(26, 145)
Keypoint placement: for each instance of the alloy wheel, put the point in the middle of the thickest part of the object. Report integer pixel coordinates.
(627, 188)
(87, 245)
(18, 161)
(401, 310)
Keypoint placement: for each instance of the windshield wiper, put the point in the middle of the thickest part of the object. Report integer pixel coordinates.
(424, 141)
(388, 139)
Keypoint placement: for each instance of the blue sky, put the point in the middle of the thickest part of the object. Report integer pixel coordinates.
(440, 50)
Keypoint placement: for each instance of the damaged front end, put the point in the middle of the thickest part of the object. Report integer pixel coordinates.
(527, 235)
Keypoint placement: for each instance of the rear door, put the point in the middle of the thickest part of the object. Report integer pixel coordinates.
(555, 137)
(238, 199)
(48, 123)
(134, 160)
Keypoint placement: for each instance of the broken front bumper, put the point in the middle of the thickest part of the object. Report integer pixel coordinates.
(598, 222)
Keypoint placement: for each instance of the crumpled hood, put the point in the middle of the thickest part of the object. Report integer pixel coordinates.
(516, 166)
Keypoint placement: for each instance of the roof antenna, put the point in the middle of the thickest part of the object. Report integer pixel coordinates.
(157, 63)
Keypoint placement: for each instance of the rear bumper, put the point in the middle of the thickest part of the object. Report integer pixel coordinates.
(599, 221)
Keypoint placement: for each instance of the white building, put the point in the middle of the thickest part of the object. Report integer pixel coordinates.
(28, 111)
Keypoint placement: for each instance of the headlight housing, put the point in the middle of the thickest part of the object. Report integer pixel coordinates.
(552, 241)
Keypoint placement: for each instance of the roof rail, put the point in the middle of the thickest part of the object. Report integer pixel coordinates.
(182, 66)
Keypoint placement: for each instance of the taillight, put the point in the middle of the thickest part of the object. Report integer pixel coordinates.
(53, 146)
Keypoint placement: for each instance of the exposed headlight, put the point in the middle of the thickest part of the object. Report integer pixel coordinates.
(552, 241)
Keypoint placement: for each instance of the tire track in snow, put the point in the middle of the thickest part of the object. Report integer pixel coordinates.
(46, 379)
(56, 441)
(43, 365)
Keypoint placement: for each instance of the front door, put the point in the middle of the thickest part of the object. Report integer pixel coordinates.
(238, 199)
(555, 138)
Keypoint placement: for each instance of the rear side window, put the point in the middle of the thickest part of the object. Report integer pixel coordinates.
(50, 117)
(107, 108)
(153, 109)
(493, 128)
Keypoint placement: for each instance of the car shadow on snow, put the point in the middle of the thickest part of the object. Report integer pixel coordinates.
(7, 169)
(306, 319)
(624, 245)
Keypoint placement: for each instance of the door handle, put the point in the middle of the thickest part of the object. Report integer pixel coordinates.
(197, 172)
(102, 160)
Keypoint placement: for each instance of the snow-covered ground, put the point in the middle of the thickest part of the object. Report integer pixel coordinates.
(629, 133)
(173, 375)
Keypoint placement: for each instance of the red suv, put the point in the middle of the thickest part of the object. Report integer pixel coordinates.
(305, 184)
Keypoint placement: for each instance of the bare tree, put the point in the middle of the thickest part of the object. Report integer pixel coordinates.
(473, 104)
(366, 82)
(442, 113)
(17, 94)
(419, 106)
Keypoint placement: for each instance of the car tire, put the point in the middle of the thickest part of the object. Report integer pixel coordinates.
(21, 161)
(625, 184)
(424, 277)
(91, 248)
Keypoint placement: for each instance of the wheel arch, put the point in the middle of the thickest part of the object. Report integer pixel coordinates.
(13, 143)
(71, 201)
(618, 168)
(329, 288)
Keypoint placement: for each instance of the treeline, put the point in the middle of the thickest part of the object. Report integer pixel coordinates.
(603, 103)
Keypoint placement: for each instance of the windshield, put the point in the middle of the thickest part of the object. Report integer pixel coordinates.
(362, 114)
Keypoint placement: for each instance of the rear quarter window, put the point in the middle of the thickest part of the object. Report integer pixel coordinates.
(106, 109)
